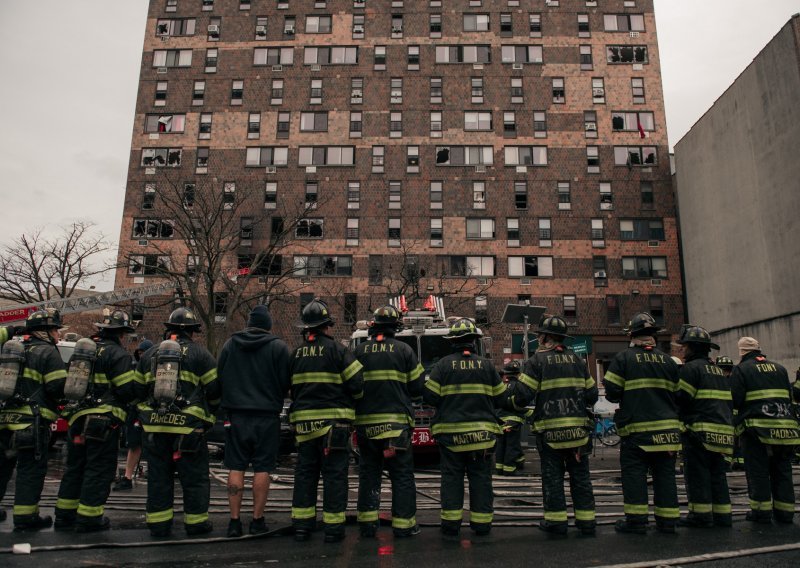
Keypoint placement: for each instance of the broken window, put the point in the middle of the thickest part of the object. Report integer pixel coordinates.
(375, 269)
(149, 265)
(464, 155)
(148, 202)
(630, 121)
(189, 194)
(228, 195)
(161, 157)
(635, 155)
(626, 54)
(165, 123)
(309, 229)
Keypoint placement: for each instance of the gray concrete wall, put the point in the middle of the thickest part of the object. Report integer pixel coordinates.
(738, 183)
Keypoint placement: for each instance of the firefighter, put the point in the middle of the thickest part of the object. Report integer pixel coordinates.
(466, 391)
(704, 399)
(644, 380)
(508, 455)
(254, 374)
(384, 423)
(563, 390)
(99, 385)
(32, 377)
(735, 460)
(178, 385)
(768, 430)
(6, 333)
(326, 381)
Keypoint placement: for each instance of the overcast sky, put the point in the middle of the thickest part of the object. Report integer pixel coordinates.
(69, 71)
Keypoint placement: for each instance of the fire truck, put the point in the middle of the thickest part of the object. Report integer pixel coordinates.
(424, 331)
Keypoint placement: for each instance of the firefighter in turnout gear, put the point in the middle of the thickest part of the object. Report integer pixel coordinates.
(32, 377)
(559, 383)
(509, 457)
(100, 383)
(177, 382)
(326, 382)
(466, 391)
(768, 431)
(384, 422)
(704, 399)
(644, 380)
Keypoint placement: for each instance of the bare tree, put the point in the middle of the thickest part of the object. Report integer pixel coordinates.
(36, 268)
(223, 248)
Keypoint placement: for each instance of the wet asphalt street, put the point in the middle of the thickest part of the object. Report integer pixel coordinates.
(515, 540)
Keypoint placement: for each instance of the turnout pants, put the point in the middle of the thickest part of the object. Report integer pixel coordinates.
(401, 473)
(635, 464)
(706, 482)
(555, 463)
(30, 474)
(477, 465)
(311, 463)
(769, 478)
(91, 467)
(192, 468)
(508, 451)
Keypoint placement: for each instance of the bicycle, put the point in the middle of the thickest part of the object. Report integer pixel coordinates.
(605, 431)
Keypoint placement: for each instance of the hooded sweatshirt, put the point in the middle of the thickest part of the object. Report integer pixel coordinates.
(254, 371)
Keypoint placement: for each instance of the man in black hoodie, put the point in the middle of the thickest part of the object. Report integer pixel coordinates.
(254, 371)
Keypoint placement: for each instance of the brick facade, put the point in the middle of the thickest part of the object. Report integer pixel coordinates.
(566, 140)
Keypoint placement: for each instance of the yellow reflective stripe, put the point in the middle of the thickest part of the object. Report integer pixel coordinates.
(528, 381)
(332, 518)
(584, 515)
(665, 384)
(119, 413)
(781, 506)
(403, 523)
(472, 447)
(385, 375)
(416, 373)
(159, 516)
(27, 411)
(315, 434)
(614, 379)
(367, 516)
(139, 378)
(168, 429)
(452, 514)
(461, 427)
(186, 376)
(699, 507)
(323, 413)
(304, 512)
(67, 504)
(766, 393)
(26, 509)
(635, 509)
(687, 388)
(712, 394)
(721, 509)
(667, 512)
(571, 444)
(467, 388)
(433, 386)
(362, 419)
(100, 379)
(87, 511)
(194, 519)
(209, 376)
(475, 517)
(499, 389)
(549, 423)
(771, 423)
(3, 335)
(650, 426)
(123, 379)
(200, 413)
(351, 370)
(317, 377)
(760, 505)
(55, 375)
(555, 516)
(589, 383)
(567, 382)
(710, 427)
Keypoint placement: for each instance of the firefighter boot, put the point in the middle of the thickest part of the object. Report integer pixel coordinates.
(553, 528)
(633, 524)
(101, 524)
(696, 520)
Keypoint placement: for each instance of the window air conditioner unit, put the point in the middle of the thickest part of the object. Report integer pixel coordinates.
(316, 67)
(591, 126)
(653, 243)
(396, 30)
(272, 169)
(305, 280)
(213, 29)
(288, 31)
(480, 169)
(358, 29)
(277, 67)
(357, 94)
(634, 34)
(598, 92)
(262, 279)
(143, 243)
(525, 281)
(483, 281)
(600, 274)
(161, 70)
(656, 282)
(261, 30)
(359, 1)
(517, 66)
